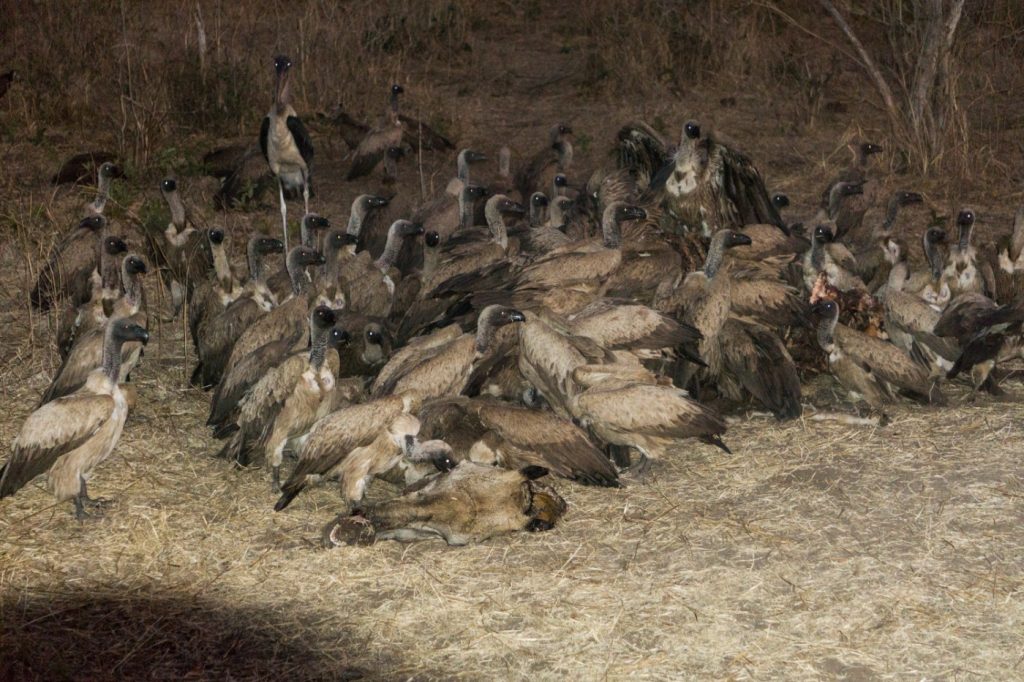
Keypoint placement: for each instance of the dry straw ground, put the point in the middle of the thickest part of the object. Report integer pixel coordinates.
(817, 550)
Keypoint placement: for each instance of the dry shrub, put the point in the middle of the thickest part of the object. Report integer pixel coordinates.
(641, 47)
(139, 76)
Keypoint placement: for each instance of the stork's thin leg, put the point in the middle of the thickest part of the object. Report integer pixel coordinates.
(284, 214)
(305, 191)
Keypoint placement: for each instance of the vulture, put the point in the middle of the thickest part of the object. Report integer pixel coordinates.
(89, 346)
(557, 154)
(312, 225)
(884, 249)
(369, 285)
(385, 135)
(213, 295)
(987, 334)
(624, 407)
(68, 269)
(288, 319)
(742, 356)
(1009, 270)
(443, 363)
(415, 134)
(850, 215)
(499, 433)
(179, 250)
(219, 335)
(371, 233)
(69, 437)
(870, 369)
(964, 272)
(105, 288)
(352, 445)
(82, 168)
(285, 403)
(910, 324)
(708, 186)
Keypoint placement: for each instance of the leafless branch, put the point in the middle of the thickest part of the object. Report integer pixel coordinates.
(866, 61)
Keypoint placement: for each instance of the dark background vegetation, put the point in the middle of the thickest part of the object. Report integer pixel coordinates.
(148, 78)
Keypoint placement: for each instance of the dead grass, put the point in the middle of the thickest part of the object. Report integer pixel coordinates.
(818, 550)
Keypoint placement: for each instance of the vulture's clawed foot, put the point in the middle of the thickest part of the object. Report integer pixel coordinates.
(641, 471)
(96, 506)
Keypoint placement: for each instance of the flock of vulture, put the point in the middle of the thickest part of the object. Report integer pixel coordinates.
(544, 321)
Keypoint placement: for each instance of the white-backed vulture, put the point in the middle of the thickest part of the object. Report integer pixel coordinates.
(964, 272)
(1009, 265)
(708, 187)
(284, 404)
(68, 437)
(869, 368)
(635, 412)
(210, 299)
(386, 134)
(289, 318)
(558, 154)
(850, 215)
(105, 288)
(87, 352)
(493, 432)
(353, 445)
(369, 285)
(442, 364)
(280, 283)
(220, 334)
(69, 266)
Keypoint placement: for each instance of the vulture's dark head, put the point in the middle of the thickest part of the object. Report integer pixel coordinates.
(303, 256)
(823, 234)
(134, 265)
(314, 221)
(904, 198)
(268, 245)
(114, 246)
(322, 317)
(94, 223)
(125, 330)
